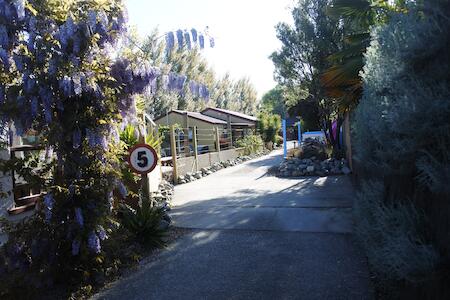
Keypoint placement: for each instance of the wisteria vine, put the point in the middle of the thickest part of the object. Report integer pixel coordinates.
(188, 38)
(57, 77)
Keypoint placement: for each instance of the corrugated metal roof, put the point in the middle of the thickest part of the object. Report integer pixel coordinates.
(200, 117)
(233, 113)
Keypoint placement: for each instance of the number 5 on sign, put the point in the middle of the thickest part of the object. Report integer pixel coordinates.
(142, 158)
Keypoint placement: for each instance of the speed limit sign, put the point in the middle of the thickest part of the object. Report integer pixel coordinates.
(142, 158)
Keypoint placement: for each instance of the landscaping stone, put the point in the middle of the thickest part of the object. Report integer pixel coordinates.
(311, 149)
(295, 167)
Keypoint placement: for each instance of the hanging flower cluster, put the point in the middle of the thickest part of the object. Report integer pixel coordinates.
(57, 77)
(145, 78)
(189, 38)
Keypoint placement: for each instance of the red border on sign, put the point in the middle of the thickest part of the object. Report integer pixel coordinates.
(155, 162)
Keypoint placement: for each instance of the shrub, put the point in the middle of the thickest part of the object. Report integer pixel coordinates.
(251, 144)
(144, 223)
(393, 235)
(401, 139)
(269, 125)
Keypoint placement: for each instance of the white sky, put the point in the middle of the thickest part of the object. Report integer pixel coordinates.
(244, 31)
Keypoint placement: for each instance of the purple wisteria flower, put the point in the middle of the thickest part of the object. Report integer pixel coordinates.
(104, 142)
(76, 247)
(194, 35)
(114, 133)
(211, 42)
(91, 138)
(204, 92)
(77, 88)
(101, 233)
(193, 87)
(6, 11)
(170, 41)
(65, 85)
(201, 41)
(29, 83)
(48, 206)
(96, 139)
(122, 190)
(92, 19)
(180, 83)
(79, 216)
(94, 242)
(4, 38)
(52, 67)
(180, 38)
(20, 8)
(187, 38)
(18, 61)
(173, 79)
(4, 58)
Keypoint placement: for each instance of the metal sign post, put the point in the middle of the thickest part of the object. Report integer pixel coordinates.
(142, 160)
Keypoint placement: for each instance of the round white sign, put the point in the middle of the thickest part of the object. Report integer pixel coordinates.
(142, 158)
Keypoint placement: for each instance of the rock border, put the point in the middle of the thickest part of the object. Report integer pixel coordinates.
(296, 167)
(192, 176)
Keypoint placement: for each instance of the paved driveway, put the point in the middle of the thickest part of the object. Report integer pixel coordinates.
(256, 237)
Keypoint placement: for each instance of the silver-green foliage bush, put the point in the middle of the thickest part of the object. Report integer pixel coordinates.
(402, 141)
(392, 236)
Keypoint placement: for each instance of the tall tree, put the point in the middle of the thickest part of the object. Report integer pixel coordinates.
(273, 101)
(303, 58)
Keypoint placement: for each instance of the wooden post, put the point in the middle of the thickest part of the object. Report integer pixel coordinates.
(194, 140)
(218, 140)
(187, 151)
(230, 131)
(186, 135)
(173, 151)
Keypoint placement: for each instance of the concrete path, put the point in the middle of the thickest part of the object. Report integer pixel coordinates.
(256, 236)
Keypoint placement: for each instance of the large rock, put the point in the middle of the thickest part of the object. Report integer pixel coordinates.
(312, 149)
